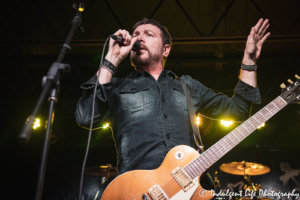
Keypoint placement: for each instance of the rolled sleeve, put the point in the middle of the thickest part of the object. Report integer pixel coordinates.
(219, 105)
(248, 92)
(102, 109)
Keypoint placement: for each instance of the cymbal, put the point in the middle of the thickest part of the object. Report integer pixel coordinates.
(104, 171)
(244, 168)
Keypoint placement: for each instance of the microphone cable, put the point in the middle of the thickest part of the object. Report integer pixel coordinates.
(92, 120)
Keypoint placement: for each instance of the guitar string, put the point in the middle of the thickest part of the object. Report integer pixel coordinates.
(166, 186)
(288, 91)
(172, 190)
(171, 187)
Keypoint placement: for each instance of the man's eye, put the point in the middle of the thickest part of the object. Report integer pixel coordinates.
(150, 35)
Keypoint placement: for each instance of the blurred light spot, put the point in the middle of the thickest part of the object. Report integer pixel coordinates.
(226, 123)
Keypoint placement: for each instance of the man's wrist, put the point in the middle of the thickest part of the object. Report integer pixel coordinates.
(113, 60)
(109, 66)
(248, 59)
(249, 67)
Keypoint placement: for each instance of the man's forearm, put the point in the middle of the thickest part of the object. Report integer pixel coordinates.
(248, 77)
(105, 76)
(253, 48)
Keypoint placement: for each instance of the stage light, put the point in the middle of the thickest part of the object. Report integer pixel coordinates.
(81, 7)
(36, 123)
(198, 120)
(226, 123)
(262, 125)
(106, 125)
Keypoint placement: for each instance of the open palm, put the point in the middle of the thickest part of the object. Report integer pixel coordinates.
(256, 39)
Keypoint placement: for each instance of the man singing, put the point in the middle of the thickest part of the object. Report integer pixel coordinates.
(147, 109)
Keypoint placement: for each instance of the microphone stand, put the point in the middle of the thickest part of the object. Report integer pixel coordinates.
(51, 86)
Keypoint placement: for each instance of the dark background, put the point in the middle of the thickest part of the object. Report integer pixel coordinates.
(209, 38)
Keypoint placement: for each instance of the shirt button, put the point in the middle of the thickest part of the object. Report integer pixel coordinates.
(256, 98)
(162, 84)
(168, 136)
(165, 116)
(163, 100)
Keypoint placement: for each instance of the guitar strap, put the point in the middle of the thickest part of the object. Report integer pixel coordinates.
(196, 133)
(191, 109)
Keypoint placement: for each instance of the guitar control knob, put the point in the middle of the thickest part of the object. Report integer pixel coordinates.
(282, 86)
(297, 77)
(290, 81)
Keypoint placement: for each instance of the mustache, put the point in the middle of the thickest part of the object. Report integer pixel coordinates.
(143, 47)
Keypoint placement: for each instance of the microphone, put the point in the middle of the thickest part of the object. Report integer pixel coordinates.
(120, 40)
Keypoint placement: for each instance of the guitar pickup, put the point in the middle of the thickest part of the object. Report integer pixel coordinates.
(157, 193)
(182, 178)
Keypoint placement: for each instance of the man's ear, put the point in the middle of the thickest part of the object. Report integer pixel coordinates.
(166, 50)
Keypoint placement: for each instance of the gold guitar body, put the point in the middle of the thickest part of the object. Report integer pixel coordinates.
(132, 185)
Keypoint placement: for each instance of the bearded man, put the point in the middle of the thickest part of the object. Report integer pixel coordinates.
(148, 109)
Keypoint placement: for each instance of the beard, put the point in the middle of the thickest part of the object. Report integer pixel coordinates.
(137, 61)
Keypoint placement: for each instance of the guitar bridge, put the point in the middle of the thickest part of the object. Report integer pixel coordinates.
(157, 193)
(182, 178)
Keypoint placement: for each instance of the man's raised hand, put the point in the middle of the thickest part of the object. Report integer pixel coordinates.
(116, 53)
(255, 41)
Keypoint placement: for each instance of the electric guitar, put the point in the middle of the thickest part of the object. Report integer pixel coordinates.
(178, 176)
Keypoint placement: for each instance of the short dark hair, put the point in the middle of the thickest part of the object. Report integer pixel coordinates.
(164, 33)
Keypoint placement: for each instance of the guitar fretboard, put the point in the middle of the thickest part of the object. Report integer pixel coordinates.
(215, 152)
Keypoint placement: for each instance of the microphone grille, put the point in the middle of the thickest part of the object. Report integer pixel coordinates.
(136, 46)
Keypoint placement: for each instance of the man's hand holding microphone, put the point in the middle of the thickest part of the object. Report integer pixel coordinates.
(120, 44)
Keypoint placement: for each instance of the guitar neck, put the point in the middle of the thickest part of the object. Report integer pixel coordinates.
(215, 152)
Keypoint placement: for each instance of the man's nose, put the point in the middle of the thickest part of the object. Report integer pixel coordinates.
(141, 38)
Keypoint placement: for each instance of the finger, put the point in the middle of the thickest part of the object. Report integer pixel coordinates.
(119, 32)
(265, 37)
(263, 33)
(122, 33)
(112, 42)
(133, 40)
(125, 35)
(252, 32)
(258, 25)
(116, 33)
(266, 22)
(128, 38)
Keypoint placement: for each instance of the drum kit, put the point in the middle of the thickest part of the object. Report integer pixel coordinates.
(246, 169)
(107, 174)
(104, 171)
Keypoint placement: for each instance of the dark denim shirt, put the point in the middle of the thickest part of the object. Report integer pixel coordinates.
(150, 117)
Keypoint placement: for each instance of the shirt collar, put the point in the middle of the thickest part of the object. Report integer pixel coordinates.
(166, 72)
